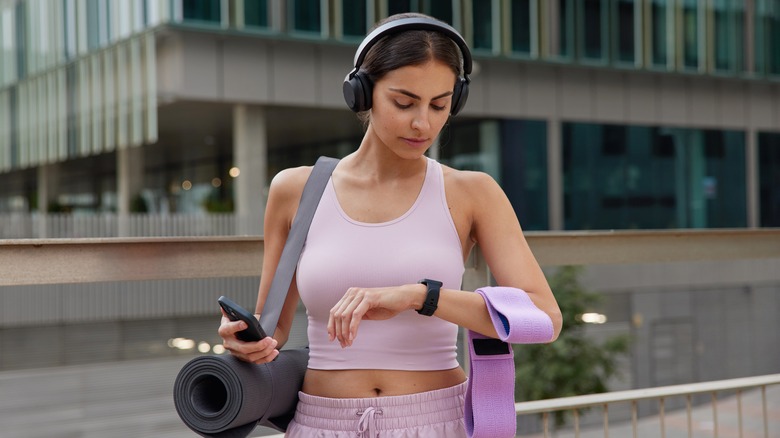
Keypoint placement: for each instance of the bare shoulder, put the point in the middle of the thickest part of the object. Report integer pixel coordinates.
(468, 185)
(291, 180)
(286, 189)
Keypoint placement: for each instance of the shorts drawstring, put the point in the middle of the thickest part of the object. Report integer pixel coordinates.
(367, 423)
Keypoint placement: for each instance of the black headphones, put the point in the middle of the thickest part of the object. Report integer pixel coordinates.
(357, 86)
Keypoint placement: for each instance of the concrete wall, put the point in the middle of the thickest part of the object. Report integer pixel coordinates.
(243, 69)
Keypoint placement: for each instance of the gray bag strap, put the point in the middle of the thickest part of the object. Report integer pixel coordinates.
(312, 192)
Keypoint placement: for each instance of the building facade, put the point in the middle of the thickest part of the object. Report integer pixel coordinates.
(591, 114)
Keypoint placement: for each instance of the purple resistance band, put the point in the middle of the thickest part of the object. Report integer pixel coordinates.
(490, 398)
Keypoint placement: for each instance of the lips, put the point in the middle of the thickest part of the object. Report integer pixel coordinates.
(417, 142)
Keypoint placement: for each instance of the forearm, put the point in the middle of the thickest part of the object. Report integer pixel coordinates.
(489, 309)
(463, 308)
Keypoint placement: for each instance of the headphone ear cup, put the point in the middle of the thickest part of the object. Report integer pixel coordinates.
(459, 96)
(358, 92)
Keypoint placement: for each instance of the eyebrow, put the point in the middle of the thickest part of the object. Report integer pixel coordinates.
(414, 96)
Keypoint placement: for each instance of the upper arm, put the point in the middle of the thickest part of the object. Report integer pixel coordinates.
(497, 231)
(283, 197)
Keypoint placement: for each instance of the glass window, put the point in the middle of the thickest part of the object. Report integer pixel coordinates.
(93, 25)
(593, 28)
(482, 14)
(7, 47)
(399, 6)
(441, 9)
(521, 25)
(256, 13)
(513, 152)
(69, 28)
(13, 121)
(660, 35)
(727, 18)
(561, 28)
(723, 184)
(20, 39)
(625, 33)
(71, 106)
(354, 14)
(625, 177)
(690, 34)
(769, 178)
(524, 171)
(209, 11)
(306, 16)
(772, 36)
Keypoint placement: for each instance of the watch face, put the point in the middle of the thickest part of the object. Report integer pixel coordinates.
(432, 298)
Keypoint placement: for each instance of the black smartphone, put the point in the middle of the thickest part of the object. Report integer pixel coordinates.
(253, 332)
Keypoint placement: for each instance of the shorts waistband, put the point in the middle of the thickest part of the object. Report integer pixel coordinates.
(390, 412)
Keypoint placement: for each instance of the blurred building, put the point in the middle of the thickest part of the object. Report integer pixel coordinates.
(592, 114)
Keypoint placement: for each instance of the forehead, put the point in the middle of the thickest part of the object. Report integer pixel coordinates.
(431, 78)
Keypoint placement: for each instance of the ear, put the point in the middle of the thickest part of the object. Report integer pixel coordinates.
(459, 96)
(358, 92)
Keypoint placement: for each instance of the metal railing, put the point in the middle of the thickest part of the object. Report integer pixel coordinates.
(660, 395)
(77, 226)
(55, 261)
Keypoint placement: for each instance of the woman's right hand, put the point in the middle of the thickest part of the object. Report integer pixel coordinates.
(262, 351)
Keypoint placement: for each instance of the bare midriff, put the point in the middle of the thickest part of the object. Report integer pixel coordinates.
(378, 383)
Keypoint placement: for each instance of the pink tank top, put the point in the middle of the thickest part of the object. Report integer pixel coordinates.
(341, 253)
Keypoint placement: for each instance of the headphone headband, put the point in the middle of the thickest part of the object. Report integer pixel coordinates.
(413, 23)
(358, 87)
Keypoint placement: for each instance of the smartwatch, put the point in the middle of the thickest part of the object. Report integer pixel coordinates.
(431, 302)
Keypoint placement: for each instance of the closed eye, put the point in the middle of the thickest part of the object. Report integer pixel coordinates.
(402, 106)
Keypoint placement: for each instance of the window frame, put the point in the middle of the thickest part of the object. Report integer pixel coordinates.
(614, 46)
(340, 21)
(580, 28)
(508, 27)
(324, 22)
(496, 28)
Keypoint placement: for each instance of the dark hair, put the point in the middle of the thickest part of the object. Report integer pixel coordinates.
(413, 47)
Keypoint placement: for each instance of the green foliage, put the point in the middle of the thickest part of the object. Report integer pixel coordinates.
(574, 364)
(218, 202)
(138, 204)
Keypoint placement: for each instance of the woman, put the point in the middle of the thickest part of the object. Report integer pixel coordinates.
(389, 217)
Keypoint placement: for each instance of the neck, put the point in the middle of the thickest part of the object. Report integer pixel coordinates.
(377, 160)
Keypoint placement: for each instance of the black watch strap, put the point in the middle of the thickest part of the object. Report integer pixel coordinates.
(431, 298)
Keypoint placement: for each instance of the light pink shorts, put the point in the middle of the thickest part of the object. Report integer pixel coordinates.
(432, 414)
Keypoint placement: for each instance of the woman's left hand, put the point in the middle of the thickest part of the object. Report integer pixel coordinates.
(369, 303)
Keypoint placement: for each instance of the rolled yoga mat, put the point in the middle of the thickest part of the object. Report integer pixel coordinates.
(224, 397)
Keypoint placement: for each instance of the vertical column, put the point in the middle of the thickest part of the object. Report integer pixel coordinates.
(751, 173)
(490, 148)
(129, 175)
(250, 152)
(554, 173)
(749, 61)
(48, 180)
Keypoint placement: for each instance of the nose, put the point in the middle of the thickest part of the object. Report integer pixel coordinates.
(421, 120)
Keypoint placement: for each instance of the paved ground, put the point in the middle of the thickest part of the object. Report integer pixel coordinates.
(133, 399)
(126, 399)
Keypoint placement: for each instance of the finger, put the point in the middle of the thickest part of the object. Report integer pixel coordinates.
(251, 351)
(265, 351)
(332, 321)
(264, 359)
(351, 318)
(229, 328)
(336, 314)
(357, 317)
